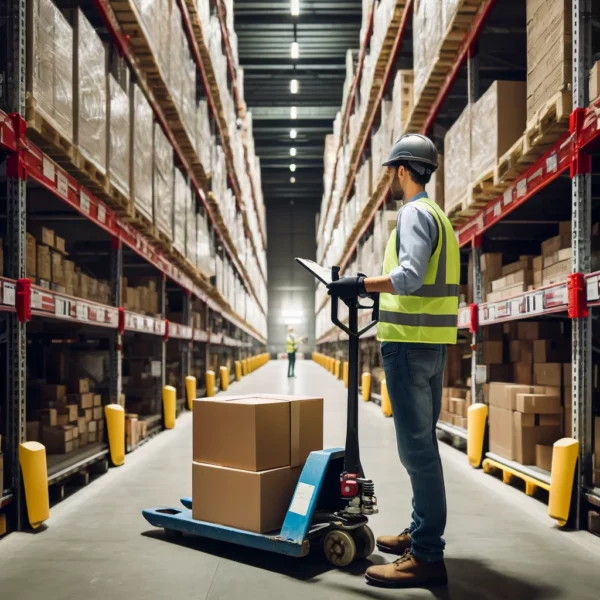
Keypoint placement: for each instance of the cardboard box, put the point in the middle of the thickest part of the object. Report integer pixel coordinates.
(2, 515)
(53, 393)
(82, 425)
(551, 351)
(42, 234)
(504, 395)
(547, 374)
(62, 419)
(30, 256)
(528, 432)
(521, 351)
(97, 400)
(500, 373)
(82, 400)
(594, 88)
(248, 500)
(56, 266)
(92, 426)
(543, 457)
(98, 413)
(131, 432)
(556, 243)
(493, 353)
(71, 410)
(458, 406)
(568, 375)
(455, 392)
(501, 432)
(539, 404)
(522, 373)
(44, 267)
(58, 440)
(33, 431)
(48, 416)
(79, 386)
(87, 414)
(262, 432)
(537, 330)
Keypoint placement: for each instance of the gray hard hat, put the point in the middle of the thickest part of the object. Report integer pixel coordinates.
(417, 150)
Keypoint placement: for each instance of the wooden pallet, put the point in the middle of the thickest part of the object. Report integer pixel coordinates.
(162, 240)
(89, 173)
(140, 220)
(117, 199)
(509, 475)
(486, 188)
(46, 134)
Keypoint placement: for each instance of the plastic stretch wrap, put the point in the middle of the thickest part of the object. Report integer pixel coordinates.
(163, 34)
(427, 35)
(148, 11)
(176, 43)
(119, 127)
(402, 102)
(179, 211)
(448, 11)
(435, 187)
(90, 104)
(205, 255)
(203, 137)
(163, 182)
(203, 8)
(190, 226)
(50, 76)
(142, 152)
(457, 145)
(189, 106)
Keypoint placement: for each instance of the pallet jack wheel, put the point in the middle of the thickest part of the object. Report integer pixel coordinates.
(173, 533)
(339, 548)
(365, 542)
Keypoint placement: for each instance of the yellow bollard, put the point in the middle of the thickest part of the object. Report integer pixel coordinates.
(336, 370)
(386, 405)
(224, 377)
(366, 386)
(169, 397)
(476, 422)
(345, 373)
(190, 390)
(238, 370)
(243, 363)
(115, 425)
(210, 383)
(564, 460)
(32, 458)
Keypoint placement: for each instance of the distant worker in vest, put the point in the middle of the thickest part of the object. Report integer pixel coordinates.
(417, 319)
(292, 344)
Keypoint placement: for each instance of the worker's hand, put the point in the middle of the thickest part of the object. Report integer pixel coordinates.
(347, 287)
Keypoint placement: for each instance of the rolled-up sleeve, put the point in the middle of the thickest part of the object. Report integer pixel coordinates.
(418, 236)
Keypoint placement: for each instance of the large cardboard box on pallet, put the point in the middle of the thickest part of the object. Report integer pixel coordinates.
(549, 51)
(162, 192)
(257, 433)
(497, 122)
(49, 69)
(141, 152)
(248, 500)
(118, 140)
(89, 92)
(457, 145)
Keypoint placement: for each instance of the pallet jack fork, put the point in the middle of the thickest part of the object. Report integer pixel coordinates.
(332, 500)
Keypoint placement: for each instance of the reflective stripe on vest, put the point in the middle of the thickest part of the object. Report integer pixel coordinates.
(429, 314)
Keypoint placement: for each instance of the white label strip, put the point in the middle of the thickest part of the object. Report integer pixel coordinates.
(9, 294)
(302, 498)
(101, 213)
(84, 202)
(48, 170)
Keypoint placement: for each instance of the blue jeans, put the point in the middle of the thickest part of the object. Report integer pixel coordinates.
(414, 375)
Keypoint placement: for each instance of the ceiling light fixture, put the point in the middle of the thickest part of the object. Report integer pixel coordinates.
(292, 180)
(295, 8)
(293, 112)
(292, 151)
(295, 50)
(294, 86)
(293, 133)
(292, 167)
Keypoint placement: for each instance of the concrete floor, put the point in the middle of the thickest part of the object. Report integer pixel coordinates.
(500, 543)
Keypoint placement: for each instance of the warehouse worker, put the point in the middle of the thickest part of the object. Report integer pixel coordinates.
(417, 319)
(291, 346)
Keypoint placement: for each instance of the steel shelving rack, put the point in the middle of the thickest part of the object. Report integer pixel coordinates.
(22, 163)
(569, 156)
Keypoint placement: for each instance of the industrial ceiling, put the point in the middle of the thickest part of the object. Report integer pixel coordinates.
(323, 31)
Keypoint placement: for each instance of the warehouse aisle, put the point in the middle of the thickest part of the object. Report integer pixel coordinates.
(98, 546)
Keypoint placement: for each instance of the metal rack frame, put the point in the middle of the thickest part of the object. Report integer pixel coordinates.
(582, 289)
(20, 302)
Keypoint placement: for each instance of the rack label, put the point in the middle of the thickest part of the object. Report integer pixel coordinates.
(84, 202)
(552, 163)
(521, 188)
(593, 292)
(156, 368)
(62, 184)
(101, 213)
(9, 294)
(48, 169)
(61, 307)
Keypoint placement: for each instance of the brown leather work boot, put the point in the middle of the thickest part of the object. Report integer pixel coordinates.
(407, 571)
(394, 544)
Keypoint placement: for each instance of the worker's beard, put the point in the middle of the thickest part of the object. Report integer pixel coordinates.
(396, 190)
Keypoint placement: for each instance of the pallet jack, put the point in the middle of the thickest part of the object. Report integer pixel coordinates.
(332, 500)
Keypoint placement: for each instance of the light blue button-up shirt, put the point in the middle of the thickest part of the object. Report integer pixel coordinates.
(418, 239)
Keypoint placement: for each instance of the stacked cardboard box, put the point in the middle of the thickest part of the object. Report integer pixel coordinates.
(521, 417)
(163, 183)
(457, 145)
(556, 257)
(119, 129)
(245, 472)
(141, 298)
(136, 430)
(455, 404)
(141, 152)
(549, 53)
(65, 420)
(516, 278)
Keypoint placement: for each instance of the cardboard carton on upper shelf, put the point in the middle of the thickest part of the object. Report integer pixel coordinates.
(543, 457)
(44, 267)
(56, 267)
(522, 373)
(537, 330)
(249, 500)
(79, 386)
(557, 350)
(554, 244)
(521, 351)
(457, 145)
(493, 352)
(81, 400)
(262, 432)
(30, 256)
(539, 404)
(43, 235)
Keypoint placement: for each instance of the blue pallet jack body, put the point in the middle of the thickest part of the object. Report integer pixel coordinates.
(317, 487)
